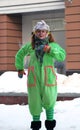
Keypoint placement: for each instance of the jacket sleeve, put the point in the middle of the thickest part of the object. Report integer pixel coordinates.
(19, 58)
(57, 52)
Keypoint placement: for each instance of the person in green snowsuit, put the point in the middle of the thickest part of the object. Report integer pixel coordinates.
(41, 81)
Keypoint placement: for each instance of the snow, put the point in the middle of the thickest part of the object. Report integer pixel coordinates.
(9, 82)
(17, 117)
(68, 84)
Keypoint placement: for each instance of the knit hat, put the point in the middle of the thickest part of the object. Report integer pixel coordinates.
(41, 26)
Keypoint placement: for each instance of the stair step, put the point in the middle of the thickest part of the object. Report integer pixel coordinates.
(22, 98)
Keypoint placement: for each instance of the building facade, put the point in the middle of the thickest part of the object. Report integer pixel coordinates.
(72, 17)
(18, 17)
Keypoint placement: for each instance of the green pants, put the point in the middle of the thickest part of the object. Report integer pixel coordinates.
(45, 98)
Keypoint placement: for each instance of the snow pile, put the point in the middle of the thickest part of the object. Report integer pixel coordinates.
(9, 82)
(69, 83)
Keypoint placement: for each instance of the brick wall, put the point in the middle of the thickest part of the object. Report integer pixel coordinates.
(72, 17)
(10, 36)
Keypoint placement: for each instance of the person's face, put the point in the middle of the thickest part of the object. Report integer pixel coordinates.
(41, 34)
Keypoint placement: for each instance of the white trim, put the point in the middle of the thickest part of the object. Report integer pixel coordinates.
(21, 2)
(24, 8)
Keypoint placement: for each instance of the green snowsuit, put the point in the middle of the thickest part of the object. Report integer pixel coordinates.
(41, 81)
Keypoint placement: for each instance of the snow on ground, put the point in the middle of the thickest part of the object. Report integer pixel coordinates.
(17, 117)
(69, 83)
(9, 82)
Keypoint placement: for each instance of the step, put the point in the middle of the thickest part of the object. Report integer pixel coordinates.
(13, 98)
(22, 98)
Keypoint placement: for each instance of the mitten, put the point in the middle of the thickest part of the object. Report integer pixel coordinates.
(46, 48)
(21, 73)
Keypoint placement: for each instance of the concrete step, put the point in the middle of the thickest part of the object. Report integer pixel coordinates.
(22, 98)
(13, 98)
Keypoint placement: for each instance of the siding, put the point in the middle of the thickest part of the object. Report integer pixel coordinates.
(72, 17)
(10, 36)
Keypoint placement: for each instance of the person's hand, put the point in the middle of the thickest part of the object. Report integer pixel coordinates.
(21, 73)
(42, 49)
(46, 48)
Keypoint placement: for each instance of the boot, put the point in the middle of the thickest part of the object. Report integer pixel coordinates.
(50, 124)
(36, 125)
